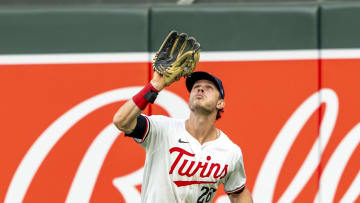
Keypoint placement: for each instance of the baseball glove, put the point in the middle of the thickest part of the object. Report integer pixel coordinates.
(177, 57)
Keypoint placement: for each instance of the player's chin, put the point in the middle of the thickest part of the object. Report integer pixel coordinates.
(201, 108)
(196, 103)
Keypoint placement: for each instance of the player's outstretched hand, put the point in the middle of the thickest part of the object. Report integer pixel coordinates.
(177, 57)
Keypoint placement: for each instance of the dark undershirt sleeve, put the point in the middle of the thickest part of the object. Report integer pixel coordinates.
(141, 129)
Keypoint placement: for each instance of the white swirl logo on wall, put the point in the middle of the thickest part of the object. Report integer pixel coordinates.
(88, 171)
(330, 176)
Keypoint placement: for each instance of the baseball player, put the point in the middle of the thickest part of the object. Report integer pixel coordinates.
(186, 160)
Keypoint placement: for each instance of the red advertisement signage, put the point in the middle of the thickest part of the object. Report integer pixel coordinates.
(296, 121)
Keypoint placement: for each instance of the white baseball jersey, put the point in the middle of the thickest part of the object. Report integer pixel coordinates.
(179, 169)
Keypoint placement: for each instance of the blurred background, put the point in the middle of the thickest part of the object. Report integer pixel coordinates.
(150, 2)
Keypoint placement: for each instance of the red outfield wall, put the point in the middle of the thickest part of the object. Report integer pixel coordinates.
(57, 115)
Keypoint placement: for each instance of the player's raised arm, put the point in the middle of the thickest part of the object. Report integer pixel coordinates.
(125, 118)
(177, 57)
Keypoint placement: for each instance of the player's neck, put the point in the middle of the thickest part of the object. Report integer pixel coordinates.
(201, 128)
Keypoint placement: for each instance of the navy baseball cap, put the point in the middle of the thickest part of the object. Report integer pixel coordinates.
(200, 75)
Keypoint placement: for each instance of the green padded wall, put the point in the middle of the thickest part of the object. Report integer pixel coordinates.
(340, 25)
(239, 26)
(73, 29)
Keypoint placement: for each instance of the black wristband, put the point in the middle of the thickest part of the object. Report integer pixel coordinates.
(150, 96)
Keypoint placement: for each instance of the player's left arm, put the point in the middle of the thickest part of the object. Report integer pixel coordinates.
(243, 197)
(234, 184)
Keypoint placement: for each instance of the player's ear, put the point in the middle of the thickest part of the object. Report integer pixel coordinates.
(220, 104)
